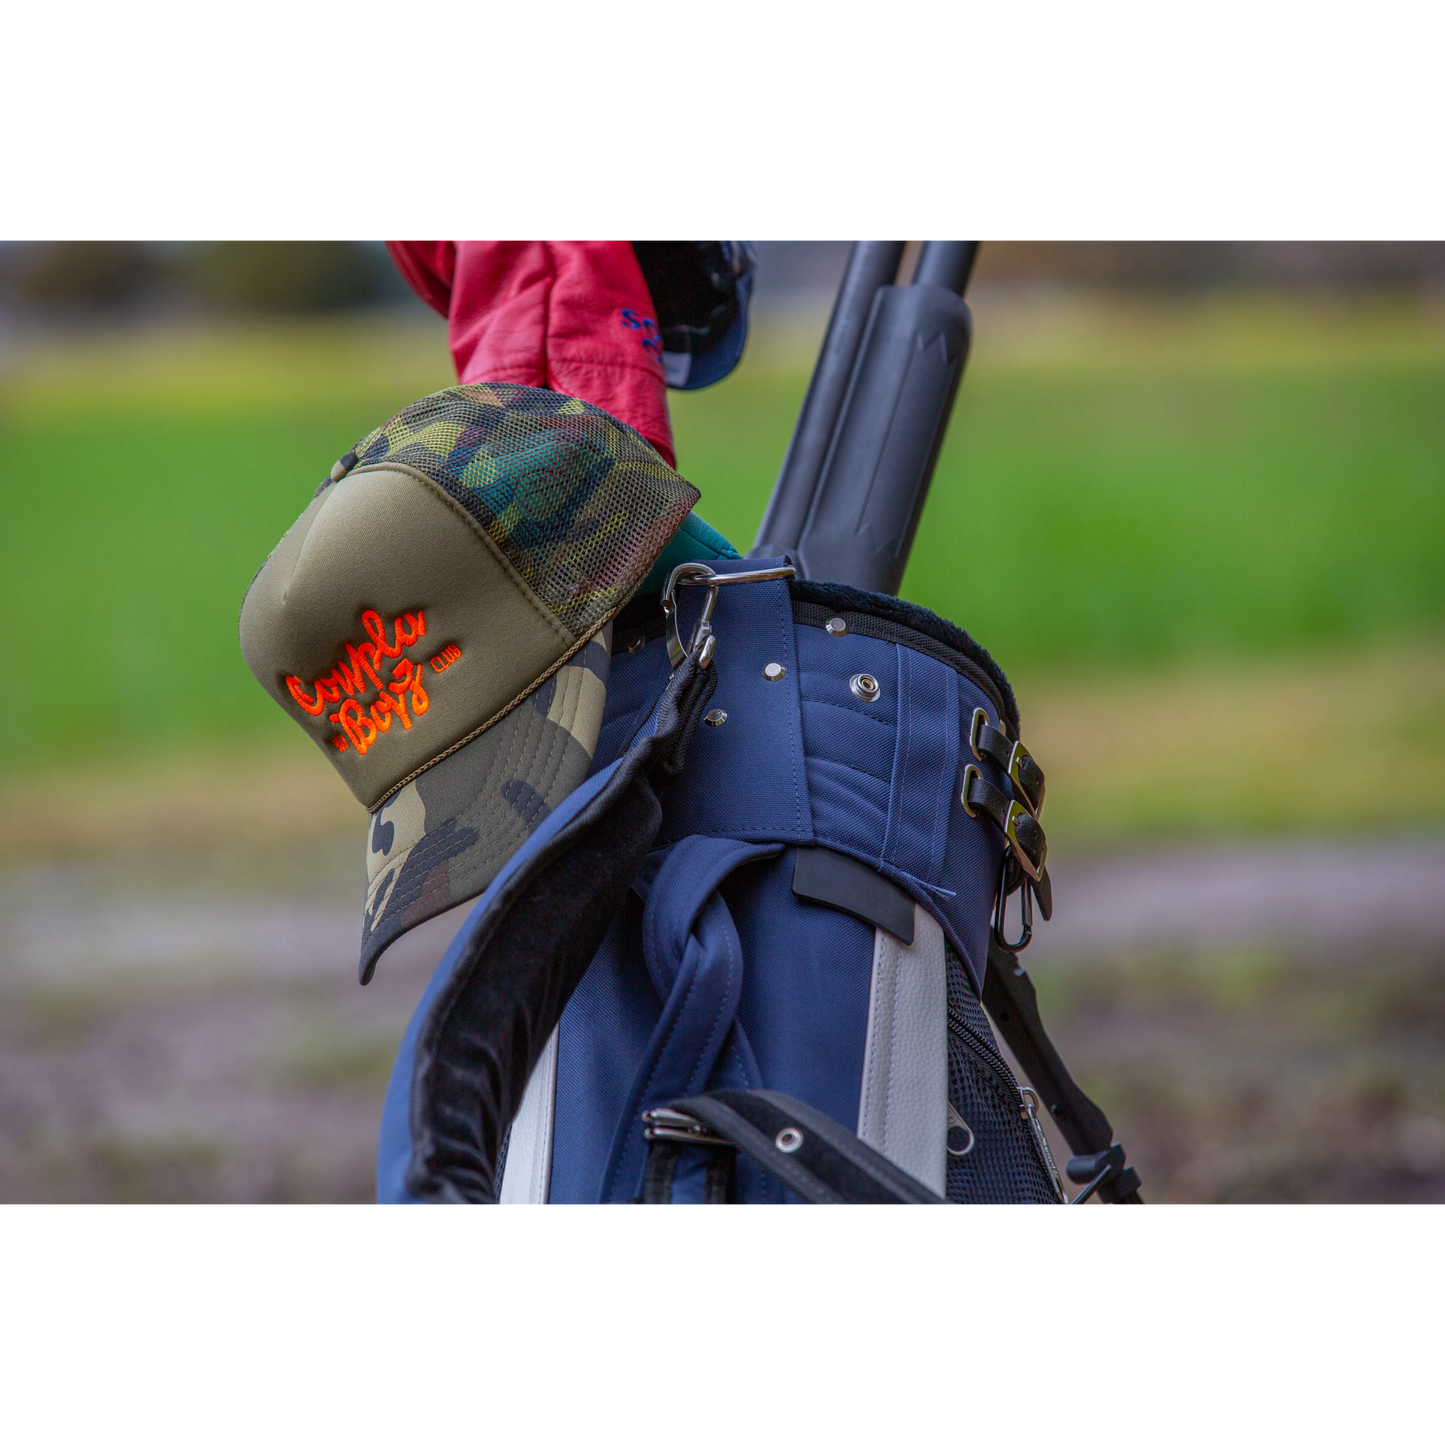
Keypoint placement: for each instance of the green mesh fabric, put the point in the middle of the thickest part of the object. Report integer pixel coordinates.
(578, 501)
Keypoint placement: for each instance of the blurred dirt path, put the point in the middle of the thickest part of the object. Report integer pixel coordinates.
(1261, 1022)
(196, 1032)
(1302, 894)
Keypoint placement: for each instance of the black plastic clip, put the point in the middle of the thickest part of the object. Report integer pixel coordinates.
(1104, 1173)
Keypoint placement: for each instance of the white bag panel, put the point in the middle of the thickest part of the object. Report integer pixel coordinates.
(527, 1174)
(903, 1104)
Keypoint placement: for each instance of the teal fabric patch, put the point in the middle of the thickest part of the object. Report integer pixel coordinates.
(694, 541)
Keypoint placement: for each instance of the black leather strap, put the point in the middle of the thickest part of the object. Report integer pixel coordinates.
(1008, 995)
(986, 741)
(1014, 820)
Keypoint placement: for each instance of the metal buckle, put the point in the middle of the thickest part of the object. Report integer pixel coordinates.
(1016, 810)
(674, 1124)
(1016, 759)
(980, 721)
(1009, 824)
(971, 771)
(1018, 756)
(699, 574)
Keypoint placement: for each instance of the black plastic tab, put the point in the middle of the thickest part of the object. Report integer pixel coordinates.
(838, 881)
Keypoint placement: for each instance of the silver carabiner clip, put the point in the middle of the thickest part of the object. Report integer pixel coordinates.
(699, 574)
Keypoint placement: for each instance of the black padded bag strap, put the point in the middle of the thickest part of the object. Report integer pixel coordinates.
(828, 1164)
(487, 1028)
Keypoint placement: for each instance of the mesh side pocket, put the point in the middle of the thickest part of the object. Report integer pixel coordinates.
(1003, 1166)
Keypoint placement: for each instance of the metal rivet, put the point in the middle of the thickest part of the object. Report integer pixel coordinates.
(774, 670)
(835, 626)
(864, 685)
(716, 718)
(789, 1139)
(637, 645)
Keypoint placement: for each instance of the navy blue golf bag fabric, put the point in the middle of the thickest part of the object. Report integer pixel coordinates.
(716, 974)
(804, 760)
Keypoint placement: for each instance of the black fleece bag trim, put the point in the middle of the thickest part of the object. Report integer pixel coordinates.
(489, 1024)
(830, 1165)
(871, 614)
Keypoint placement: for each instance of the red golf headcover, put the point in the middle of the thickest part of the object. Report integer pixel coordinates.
(573, 316)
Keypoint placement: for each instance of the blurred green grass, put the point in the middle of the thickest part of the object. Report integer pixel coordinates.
(1254, 479)
(1154, 488)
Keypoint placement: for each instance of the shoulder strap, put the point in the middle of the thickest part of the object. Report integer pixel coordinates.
(527, 945)
(813, 1155)
(1098, 1162)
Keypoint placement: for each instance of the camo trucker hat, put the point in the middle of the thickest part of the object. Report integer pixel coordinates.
(438, 622)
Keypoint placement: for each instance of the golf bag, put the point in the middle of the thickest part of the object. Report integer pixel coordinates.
(813, 919)
(748, 960)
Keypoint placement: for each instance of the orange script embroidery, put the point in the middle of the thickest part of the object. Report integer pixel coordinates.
(361, 672)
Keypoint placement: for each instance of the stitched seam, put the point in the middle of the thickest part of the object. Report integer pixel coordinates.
(598, 363)
(898, 779)
(880, 944)
(851, 711)
(893, 1046)
(646, 1090)
(908, 752)
(661, 947)
(964, 646)
(503, 823)
(938, 838)
(851, 770)
(498, 825)
(717, 1018)
(794, 734)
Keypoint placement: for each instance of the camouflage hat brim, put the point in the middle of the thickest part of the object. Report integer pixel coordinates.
(441, 838)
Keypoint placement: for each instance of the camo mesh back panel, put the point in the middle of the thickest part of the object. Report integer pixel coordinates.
(1004, 1166)
(578, 502)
